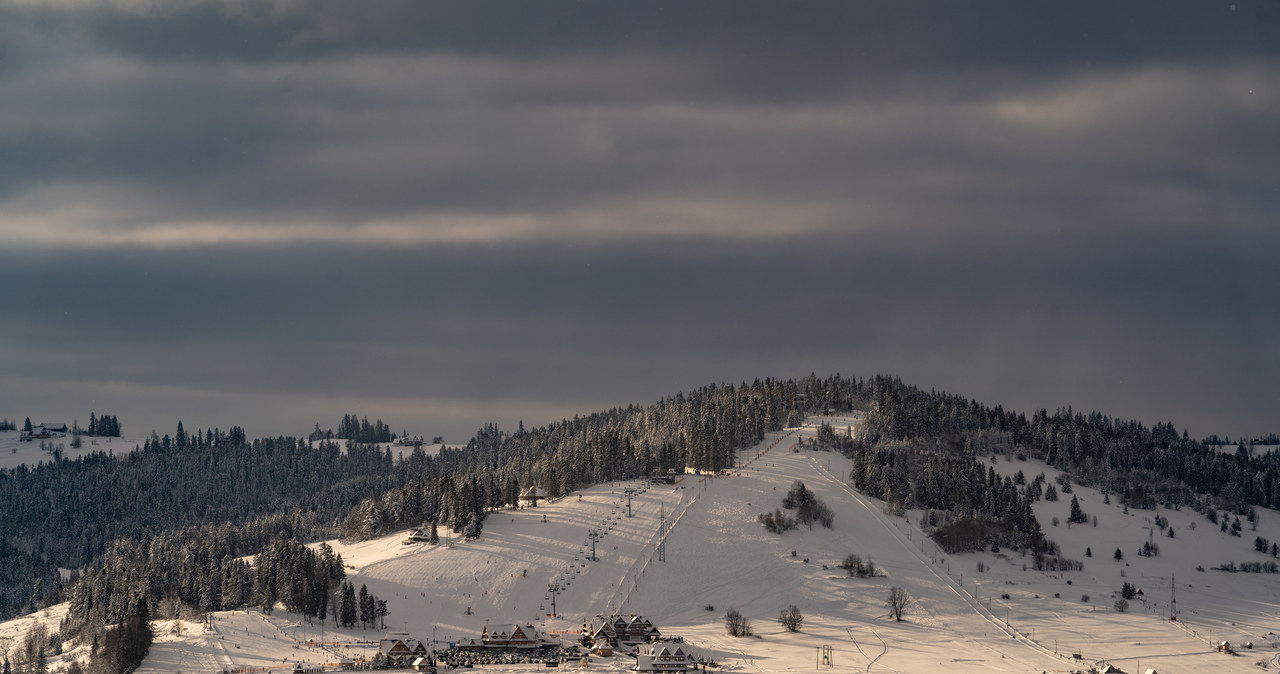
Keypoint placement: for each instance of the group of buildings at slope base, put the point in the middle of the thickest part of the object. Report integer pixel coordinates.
(504, 643)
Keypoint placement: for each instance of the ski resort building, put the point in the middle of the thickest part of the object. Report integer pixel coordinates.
(668, 476)
(664, 657)
(420, 534)
(401, 651)
(530, 496)
(510, 636)
(618, 629)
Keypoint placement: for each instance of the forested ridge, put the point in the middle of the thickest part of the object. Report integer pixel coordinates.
(64, 513)
(208, 498)
(1141, 464)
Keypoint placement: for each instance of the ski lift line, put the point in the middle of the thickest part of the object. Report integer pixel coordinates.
(626, 590)
(946, 580)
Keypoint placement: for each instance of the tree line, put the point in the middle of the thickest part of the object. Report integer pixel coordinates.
(1144, 466)
(362, 492)
(65, 513)
(106, 425)
(920, 449)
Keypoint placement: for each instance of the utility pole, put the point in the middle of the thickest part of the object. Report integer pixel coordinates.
(554, 590)
(662, 532)
(595, 535)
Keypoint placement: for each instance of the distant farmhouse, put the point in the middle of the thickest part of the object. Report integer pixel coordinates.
(43, 432)
(617, 630)
(664, 657)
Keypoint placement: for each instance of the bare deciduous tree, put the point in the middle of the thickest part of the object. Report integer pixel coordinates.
(737, 624)
(791, 618)
(897, 602)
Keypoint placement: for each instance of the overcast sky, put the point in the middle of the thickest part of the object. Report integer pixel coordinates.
(443, 214)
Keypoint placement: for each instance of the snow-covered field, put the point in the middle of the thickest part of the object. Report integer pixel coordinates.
(14, 452)
(1009, 618)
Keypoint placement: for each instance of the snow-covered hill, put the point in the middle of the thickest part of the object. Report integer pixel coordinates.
(15, 452)
(1008, 618)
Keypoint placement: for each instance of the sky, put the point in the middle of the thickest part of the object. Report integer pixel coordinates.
(447, 214)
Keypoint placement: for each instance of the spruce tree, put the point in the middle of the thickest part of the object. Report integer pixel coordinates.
(1077, 515)
(347, 610)
(366, 606)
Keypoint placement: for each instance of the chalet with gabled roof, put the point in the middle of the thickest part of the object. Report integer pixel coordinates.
(420, 534)
(510, 636)
(400, 651)
(664, 656)
(43, 431)
(618, 629)
(529, 496)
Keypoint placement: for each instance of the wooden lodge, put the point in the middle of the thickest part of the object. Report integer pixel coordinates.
(401, 651)
(529, 496)
(664, 657)
(510, 636)
(618, 629)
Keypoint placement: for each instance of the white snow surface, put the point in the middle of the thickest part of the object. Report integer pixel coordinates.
(15, 452)
(718, 556)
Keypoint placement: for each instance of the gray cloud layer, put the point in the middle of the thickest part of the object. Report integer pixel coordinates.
(271, 214)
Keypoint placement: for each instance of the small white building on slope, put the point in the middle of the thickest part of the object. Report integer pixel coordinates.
(530, 496)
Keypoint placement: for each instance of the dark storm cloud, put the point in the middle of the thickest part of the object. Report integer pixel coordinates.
(338, 114)
(862, 36)
(281, 211)
(1147, 328)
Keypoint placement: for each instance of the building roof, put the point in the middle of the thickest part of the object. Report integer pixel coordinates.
(399, 646)
(521, 635)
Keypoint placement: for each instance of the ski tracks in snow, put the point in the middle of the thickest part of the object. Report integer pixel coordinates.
(871, 661)
(945, 580)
